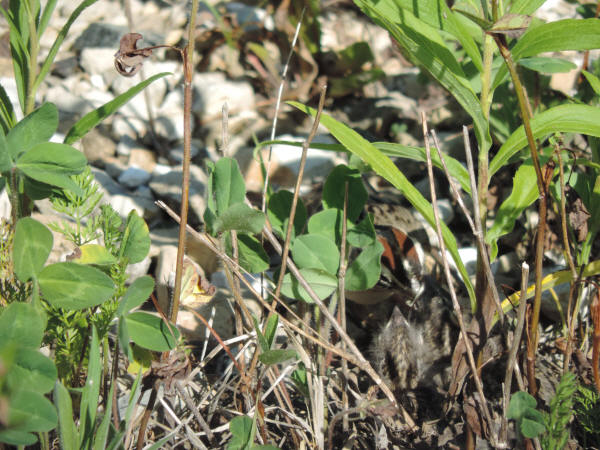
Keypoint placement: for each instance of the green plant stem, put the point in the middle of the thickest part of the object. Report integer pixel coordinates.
(188, 68)
(34, 48)
(542, 183)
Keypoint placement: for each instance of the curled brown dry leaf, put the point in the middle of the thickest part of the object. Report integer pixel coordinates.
(129, 58)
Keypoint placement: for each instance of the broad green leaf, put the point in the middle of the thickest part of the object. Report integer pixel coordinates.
(532, 427)
(67, 431)
(524, 193)
(93, 118)
(314, 251)
(388, 170)
(278, 211)
(582, 119)
(277, 356)
(95, 254)
(241, 431)
(240, 217)
(16, 437)
(365, 270)
(74, 286)
(53, 163)
(137, 293)
(151, 332)
(59, 39)
(36, 128)
(455, 167)
(567, 34)
(321, 282)
(363, 234)
(252, 255)
(31, 248)
(32, 370)
(227, 185)
(328, 223)
(544, 64)
(31, 411)
(20, 324)
(91, 391)
(593, 80)
(334, 191)
(520, 402)
(136, 239)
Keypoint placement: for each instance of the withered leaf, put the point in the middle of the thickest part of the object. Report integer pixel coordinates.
(129, 59)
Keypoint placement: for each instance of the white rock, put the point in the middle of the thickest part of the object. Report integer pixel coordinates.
(213, 90)
(131, 127)
(134, 176)
(98, 61)
(5, 207)
(125, 145)
(121, 200)
(10, 86)
(137, 270)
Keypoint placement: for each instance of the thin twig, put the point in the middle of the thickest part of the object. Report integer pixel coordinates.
(355, 357)
(457, 310)
(277, 107)
(342, 305)
(476, 227)
(188, 68)
(512, 356)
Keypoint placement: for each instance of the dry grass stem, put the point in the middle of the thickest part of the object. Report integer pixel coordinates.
(514, 349)
(475, 225)
(355, 357)
(278, 107)
(482, 400)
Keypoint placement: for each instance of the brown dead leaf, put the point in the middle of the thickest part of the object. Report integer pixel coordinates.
(129, 59)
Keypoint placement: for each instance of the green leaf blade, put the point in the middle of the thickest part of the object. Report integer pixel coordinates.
(151, 332)
(31, 247)
(73, 286)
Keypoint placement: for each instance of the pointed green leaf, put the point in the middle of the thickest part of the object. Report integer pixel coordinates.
(554, 37)
(31, 248)
(388, 170)
(582, 119)
(544, 64)
(524, 193)
(277, 356)
(67, 431)
(227, 185)
(593, 80)
(59, 40)
(93, 118)
(90, 394)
